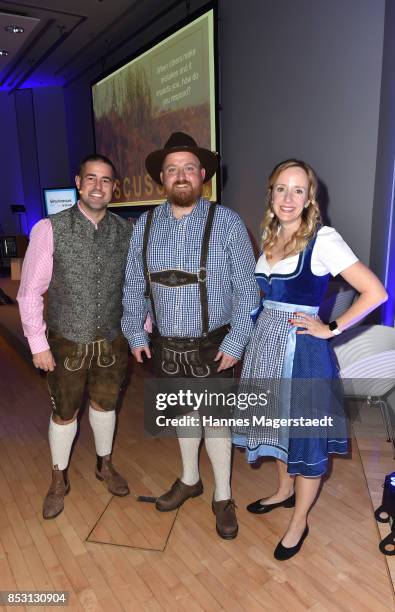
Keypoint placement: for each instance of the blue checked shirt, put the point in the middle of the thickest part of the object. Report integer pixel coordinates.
(176, 244)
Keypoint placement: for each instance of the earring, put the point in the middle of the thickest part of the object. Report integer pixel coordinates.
(271, 214)
(307, 204)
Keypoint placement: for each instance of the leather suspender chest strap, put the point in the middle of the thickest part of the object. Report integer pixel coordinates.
(148, 288)
(178, 278)
(202, 273)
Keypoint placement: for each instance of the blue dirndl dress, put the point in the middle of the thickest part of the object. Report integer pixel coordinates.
(299, 374)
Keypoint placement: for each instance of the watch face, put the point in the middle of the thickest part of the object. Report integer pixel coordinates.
(332, 325)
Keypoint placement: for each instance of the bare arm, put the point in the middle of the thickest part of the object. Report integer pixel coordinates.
(372, 294)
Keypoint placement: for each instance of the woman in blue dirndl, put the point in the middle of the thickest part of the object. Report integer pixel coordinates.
(289, 356)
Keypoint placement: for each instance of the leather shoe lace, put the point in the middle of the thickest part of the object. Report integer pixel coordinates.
(226, 521)
(177, 495)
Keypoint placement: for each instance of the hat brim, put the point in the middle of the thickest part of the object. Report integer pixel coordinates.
(208, 160)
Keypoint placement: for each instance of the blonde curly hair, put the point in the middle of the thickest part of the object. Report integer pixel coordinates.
(311, 217)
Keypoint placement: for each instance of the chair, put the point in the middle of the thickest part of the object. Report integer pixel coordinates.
(366, 357)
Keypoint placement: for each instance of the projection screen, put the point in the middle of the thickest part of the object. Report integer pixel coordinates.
(168, 88)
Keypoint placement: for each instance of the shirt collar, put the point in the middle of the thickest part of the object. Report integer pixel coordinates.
(86, 215)
(198, 211)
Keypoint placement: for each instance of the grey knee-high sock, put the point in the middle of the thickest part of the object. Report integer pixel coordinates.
(219, 449)
(189, 440)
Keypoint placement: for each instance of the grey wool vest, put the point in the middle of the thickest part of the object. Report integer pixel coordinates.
(85, 293)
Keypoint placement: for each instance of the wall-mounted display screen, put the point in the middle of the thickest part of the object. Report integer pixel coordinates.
(168, 88)
(56, 200)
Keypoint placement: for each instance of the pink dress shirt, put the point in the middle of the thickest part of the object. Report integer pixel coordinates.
(35, 280)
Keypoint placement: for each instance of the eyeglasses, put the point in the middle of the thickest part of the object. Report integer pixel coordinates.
(187, 169)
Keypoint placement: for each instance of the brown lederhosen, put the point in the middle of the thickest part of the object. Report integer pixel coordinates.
(177, 356)
(98, 367)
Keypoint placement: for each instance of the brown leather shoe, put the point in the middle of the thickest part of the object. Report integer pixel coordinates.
(226, 521)
(54, 500)
(116, 484)
(178, 493)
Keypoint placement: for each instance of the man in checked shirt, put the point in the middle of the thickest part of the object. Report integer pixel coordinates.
(191, 265)
(79, 255)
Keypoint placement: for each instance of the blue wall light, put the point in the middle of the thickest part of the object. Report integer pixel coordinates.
(389, 306)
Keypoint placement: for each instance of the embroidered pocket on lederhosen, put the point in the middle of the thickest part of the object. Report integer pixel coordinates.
(77, 357)
(106, 357)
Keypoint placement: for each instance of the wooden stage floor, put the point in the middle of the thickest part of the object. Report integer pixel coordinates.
(118, 554)
(175, 561)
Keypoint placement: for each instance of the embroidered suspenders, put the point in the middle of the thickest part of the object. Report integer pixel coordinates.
(179, 278)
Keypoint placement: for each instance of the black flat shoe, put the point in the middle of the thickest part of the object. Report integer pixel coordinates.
(258, 508)
(282, 553)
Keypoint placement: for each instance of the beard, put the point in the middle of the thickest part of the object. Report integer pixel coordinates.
(184, 197)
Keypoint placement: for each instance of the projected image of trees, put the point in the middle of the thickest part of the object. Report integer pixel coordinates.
(140, 105)
(128, 131)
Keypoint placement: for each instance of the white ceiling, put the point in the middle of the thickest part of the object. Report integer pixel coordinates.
(62, 37)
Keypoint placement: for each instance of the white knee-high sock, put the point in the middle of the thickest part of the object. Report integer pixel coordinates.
(219, 449)
(103, 427)
(189, 440)
(61, 439)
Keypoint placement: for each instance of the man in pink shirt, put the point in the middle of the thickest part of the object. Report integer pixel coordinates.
(79, 256)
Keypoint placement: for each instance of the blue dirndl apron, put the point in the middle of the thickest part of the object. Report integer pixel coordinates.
(297, 373)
